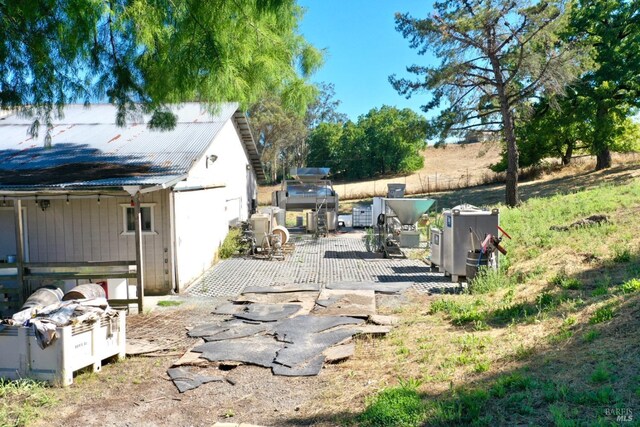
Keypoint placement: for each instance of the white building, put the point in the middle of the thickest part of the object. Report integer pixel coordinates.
(78, 197)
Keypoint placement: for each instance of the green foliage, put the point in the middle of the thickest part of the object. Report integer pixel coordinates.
(510, 383)
(489, 280)
(621, 254)
(459, 312)
(591, 335)
(561, 279)
(494, 57)
(231, 243)
(22, 401)
(280, 132)
(150, 53)
(464, 407)
(383, 141)
(169, 303)
(593, 115)
(602, 314)
(398, 406)
(601, 374)
(631, 286)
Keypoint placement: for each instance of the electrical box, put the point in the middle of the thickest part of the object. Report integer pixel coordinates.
(465, 226)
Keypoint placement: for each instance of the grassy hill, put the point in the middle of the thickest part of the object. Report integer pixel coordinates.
(553, 338)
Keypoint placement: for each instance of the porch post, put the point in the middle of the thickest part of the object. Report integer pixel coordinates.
(17, 212)
(139, 254)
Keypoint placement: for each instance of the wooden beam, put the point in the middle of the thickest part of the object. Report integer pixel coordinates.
(17, 213)
(139, 254)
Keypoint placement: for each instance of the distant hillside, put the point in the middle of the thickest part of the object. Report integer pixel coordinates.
(453, 166)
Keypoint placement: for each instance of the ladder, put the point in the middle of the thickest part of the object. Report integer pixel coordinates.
(321, 216)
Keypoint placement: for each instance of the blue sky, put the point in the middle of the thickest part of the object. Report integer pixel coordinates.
(362, 49)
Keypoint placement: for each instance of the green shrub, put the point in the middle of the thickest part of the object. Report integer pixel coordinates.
(398, 406)
(231, 243)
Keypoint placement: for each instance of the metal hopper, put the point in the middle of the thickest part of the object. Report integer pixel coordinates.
(309, 174)
(409, 210)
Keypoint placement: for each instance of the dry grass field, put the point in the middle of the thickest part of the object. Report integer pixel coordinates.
(454, 166)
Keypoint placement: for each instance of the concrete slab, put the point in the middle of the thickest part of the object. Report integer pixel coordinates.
(352, 303)
(268, 312)
(185, 380)
(379, 287)
(339, 353)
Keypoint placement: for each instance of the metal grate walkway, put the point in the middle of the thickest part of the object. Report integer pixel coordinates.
(318, 261)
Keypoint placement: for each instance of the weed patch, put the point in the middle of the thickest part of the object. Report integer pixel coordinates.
(398, 406)
(489, 280)
(631, 286)
(459, 312)
(602, 314)
(21, 401)
(168, 303)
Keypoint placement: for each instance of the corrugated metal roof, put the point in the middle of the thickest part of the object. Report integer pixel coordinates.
(89, 150)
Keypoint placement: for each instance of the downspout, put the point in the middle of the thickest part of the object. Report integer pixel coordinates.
(174, 249)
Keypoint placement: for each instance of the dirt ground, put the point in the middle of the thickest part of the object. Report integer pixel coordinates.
(137, 391)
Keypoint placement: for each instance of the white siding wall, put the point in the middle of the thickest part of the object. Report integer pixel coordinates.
(199, 231)
(84, 230)
(203, 217)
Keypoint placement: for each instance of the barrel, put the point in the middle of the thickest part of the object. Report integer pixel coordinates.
(282, 232)
(475, 260)
(42, 297)
(86, 291)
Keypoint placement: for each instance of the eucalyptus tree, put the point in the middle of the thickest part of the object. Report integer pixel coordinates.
(151, 53)
(494, 56)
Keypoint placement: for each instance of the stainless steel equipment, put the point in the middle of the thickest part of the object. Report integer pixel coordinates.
(397, 227)
(395, 191)
(265, 237)
(436, 247)
(310, 190)
(458, 239)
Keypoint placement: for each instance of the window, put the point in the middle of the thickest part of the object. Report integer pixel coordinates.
(129, 219)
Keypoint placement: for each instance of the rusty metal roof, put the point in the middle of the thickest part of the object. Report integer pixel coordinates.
(90, 151)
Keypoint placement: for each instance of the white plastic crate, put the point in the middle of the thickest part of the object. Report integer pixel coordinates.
(76, 347)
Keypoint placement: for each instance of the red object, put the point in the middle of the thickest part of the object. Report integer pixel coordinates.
(103, 285)
(486, 242)
(504, 232)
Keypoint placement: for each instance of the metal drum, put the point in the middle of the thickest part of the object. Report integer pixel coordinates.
(42, 297)
(86, 291)
(312, 221)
